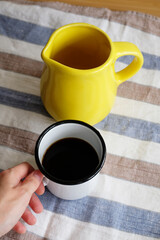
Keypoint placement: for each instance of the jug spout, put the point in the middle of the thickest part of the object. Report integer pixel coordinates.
(77, 46)
(46, 55)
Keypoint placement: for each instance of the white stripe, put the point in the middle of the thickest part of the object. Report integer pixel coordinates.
(126, 192)
(25, 120)
(131, 148)
(20, 48)
(124, 107)
(116, 144)
(20, 82)
(55, 226)
(136, 109)
(55, 18)
(10, 157)
(51, 17)
(146, 77)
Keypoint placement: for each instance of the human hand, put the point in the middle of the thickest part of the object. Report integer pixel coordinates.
(16, 195)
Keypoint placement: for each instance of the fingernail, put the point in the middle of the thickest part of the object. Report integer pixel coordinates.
(38, 175)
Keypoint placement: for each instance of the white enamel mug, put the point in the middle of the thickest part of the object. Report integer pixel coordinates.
(70, 190)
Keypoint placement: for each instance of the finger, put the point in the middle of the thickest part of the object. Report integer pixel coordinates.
(36, 204)
(19, 228)
(41, 189)
(28, 217)
(32, 182)
(12, 176)
(19, 172)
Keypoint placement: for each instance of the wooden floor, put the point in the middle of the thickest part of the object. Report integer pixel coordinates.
(147, 6)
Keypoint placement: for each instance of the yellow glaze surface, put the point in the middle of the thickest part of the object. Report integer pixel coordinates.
(79, 80)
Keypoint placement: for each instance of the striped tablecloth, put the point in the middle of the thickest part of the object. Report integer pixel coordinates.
(125, 204)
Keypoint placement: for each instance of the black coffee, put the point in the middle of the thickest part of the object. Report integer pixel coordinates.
(70, 159)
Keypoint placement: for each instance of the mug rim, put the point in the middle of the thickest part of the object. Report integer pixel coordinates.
(70, 182)
(72, 25)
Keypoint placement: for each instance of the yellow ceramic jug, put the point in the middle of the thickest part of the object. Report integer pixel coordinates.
(79, 79)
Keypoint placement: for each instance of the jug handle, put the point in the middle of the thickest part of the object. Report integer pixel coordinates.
(123, 49)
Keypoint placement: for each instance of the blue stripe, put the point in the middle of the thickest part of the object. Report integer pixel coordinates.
(134, 128)
(24, 31)
(22, 100)
(131, 127)
(36, 34)
(106, 213)
(150, 61)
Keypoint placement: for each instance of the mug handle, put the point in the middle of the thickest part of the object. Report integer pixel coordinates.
(126, 48)
(45, 181)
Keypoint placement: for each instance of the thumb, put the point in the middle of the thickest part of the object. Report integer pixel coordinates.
(32, 181)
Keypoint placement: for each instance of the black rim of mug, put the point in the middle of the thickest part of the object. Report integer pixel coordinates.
(62, 181)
